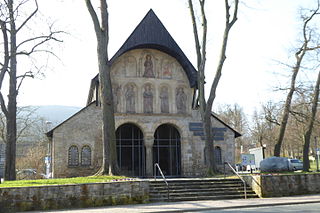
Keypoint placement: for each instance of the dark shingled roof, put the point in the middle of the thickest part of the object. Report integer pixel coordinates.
(151, 33)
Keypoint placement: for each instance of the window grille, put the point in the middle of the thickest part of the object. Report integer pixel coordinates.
(86, 156)
(73, 156)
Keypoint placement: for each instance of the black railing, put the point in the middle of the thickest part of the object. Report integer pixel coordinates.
(235, 172)
(156, 165)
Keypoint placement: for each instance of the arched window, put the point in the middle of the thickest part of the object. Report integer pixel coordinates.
(217, 155)
(73, 156)
(86, 156)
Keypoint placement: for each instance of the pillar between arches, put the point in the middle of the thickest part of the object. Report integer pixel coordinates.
(149, 140)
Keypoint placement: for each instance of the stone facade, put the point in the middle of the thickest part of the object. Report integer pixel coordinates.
(154, 93)
(84, 128)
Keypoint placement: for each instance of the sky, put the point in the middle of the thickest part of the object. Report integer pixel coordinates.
(265, 33)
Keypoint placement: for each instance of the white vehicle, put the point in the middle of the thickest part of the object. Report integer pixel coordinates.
(295, 164)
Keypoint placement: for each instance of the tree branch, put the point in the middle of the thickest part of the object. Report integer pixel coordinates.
(94, 17)
(195, 32)
(29, 17)
(204, 35)
(28, 74)
(3, 105)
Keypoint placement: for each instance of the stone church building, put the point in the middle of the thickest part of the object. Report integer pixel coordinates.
(154, 86)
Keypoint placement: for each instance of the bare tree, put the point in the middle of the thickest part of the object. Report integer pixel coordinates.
(109, 165)
(308, 132)
(33, 159)
(306, 46)
(206, 106)
(235, 117)
(14, 24)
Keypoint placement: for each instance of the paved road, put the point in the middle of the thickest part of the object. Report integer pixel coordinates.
(305, 208)
(310, 203)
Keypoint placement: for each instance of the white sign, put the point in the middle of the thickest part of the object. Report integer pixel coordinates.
(247, 159)
(258, 155)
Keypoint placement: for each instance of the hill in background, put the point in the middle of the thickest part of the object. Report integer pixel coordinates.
(56, 114)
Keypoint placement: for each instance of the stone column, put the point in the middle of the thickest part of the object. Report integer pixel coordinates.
(149, 155)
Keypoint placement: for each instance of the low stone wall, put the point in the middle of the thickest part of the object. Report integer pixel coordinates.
(73, 196)
(284, 185)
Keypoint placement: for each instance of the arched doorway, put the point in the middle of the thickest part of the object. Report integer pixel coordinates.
(167, 150)
(130, 150)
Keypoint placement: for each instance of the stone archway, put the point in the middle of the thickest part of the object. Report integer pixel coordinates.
(131, 150)
(167, 150)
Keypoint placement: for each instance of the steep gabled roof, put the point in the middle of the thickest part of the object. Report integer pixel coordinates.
(151, 33)
(236, 133)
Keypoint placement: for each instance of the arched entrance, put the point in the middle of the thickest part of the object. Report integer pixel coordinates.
(167, 150)
(130, 150)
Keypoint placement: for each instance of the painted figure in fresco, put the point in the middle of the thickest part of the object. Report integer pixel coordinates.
(130, 99)
(147, 99)
(130, 66)
(148, 67)
(181, 101)
(116, 97)
(167, 73)
(164, 97)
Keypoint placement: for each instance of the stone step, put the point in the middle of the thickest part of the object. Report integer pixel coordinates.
(174, 190)
(159, 181)
(198, 189)
(194, 183)
(196, 194)
(194, 186)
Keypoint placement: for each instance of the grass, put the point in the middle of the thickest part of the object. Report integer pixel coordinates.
(313, 165)
(62, 181)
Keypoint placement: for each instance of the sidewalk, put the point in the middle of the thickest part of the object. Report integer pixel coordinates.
(193, 206)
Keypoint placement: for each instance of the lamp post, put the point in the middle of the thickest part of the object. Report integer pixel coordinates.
(264, 146)
(48, 157)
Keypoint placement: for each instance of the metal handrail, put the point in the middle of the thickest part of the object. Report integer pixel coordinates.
(156, 165)
(244, 182)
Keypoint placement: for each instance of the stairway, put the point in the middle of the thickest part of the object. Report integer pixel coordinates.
(198, 189)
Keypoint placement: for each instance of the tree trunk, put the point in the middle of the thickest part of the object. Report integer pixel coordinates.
(108, 122)
(308, 133)
(206, 107)
(287, 106)
(10, 164)
(110, 164)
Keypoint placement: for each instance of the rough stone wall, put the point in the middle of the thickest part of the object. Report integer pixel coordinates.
(82, 129)
(284, 185)
(73, 196)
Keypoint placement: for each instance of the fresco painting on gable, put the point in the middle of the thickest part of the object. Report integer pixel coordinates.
(130, 65)
(116, 97)
(130, 99)
(148, 67)
(148, 64)
(131, 92)
(181, 100)
(148, 99)
(166, 69)
(164, 97)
